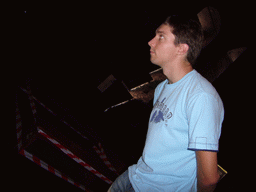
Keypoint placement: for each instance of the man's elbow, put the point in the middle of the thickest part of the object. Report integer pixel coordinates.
(210, 181)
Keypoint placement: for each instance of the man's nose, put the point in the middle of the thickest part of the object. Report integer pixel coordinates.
(151, 42)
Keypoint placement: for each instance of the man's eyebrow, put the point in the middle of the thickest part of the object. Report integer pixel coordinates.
(161, 32)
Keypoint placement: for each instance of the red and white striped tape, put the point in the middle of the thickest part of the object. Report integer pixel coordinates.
(75, 158)
(100, 152)
(18, 127)
(32, 103)
(34, 158)
(51, 169)
(103, 156)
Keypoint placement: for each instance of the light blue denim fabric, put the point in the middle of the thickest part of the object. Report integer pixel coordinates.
(122, 184)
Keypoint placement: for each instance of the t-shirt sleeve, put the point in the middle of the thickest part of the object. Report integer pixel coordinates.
(205, 116)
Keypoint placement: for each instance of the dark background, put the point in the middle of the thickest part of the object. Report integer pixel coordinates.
(66, 49)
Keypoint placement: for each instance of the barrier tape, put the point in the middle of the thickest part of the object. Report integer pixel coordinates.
(74, 157)
(32, 104)
(50, 169)
(18, 127)
(103, 156)
(100, 152)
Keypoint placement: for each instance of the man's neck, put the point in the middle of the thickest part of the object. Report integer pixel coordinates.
(176, 71)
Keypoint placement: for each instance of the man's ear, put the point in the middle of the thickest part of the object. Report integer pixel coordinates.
(183, 49)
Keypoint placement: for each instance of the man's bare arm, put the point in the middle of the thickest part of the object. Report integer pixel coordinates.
(207, 171)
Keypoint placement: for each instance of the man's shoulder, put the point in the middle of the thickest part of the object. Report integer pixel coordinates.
(201, 86)
(201, 93)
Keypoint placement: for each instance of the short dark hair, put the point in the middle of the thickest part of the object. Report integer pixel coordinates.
(187, 31)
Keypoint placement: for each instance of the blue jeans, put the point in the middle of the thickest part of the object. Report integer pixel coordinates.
(122, 184)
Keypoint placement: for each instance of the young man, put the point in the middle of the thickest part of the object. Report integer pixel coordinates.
(180, 152)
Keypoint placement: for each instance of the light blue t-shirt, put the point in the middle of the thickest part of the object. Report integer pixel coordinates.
(187, 116)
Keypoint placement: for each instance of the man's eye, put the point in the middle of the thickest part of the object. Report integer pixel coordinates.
(161, 37)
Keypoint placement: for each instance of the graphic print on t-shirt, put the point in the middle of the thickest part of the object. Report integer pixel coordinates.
(161, 112)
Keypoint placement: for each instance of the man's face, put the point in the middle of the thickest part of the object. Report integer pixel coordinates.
(163, 50)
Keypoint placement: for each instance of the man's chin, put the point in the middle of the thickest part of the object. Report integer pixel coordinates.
(154, 62)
